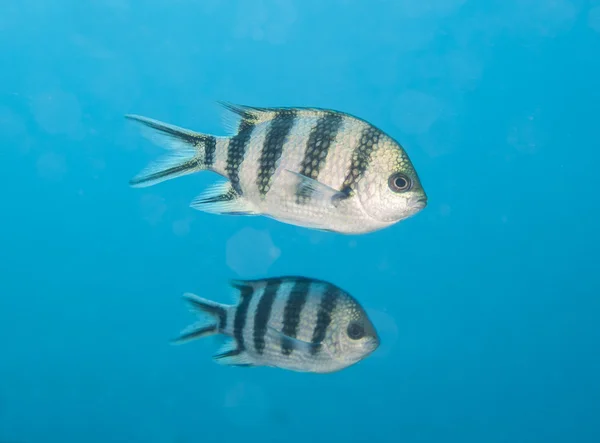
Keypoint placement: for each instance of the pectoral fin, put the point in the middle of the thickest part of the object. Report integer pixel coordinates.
(307, 188)
(293, 344)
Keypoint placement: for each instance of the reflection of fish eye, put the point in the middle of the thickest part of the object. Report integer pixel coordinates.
(355, 331)
(399, 182)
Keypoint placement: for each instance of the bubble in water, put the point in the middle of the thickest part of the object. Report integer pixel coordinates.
(246, 405)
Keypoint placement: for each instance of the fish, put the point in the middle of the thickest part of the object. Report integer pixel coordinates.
(311, 167)
(295, 323)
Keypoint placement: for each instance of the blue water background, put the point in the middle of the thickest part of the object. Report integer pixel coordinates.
(487, 302)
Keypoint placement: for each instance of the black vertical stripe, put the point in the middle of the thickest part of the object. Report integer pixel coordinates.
(326, 307)
(319, 142)
(241, 314)
(292, 312)
(279, 129)
(236, 150)
(263, 313)
(210, 146)
(361, 157)
(222, 319)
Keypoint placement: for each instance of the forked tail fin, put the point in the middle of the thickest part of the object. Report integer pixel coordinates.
(214, 324)
(189, 152)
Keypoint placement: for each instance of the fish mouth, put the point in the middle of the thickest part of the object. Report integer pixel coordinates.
(373, 344)
(418, 202)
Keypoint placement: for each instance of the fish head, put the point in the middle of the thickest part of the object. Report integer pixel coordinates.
(354, 336)
(390, 189)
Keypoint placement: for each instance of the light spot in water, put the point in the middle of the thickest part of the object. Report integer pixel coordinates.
(10, 123)
(58, 112)
(384, 265)
(51, 166)
(554, 16)
(464, 69)
(181, 228)
(98, 164)
(524, 135)
(269, 20)
(274, 252)
(594, 18)
(421, 8)
(14, 129)
(387, 329)
(445, 210)
(315, 238)
(545, 18)
(414, 112)
(246, 405)
(251, 252)
(153, 208)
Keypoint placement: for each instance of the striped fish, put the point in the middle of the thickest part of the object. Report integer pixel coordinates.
(294, 323)
(310, 167)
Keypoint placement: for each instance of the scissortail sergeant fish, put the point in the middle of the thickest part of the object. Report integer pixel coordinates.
(293, 323)
(310, 167)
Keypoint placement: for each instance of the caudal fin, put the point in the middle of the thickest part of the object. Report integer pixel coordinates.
(214, 324)
(189, 152)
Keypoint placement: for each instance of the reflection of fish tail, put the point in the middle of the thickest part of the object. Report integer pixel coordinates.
(216, 322)
(189, 152)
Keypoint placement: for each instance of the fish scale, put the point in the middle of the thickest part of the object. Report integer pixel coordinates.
(321, 138)
(311, 167)
(272, 149)
(236, 150)
(289, 322)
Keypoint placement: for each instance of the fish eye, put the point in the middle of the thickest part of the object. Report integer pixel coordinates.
(355, 331)
(399, 183)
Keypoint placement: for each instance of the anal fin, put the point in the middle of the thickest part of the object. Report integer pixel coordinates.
(194, 332)
(231, 355)
(222, 199)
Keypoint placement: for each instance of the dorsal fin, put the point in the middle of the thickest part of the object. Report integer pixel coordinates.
(253, 115)
(244, 288)
(250, 114)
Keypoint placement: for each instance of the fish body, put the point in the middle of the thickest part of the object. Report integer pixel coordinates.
(310, 167)
(294, 323)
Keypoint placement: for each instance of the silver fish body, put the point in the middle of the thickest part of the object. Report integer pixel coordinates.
(309, 167)
(290, 322)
